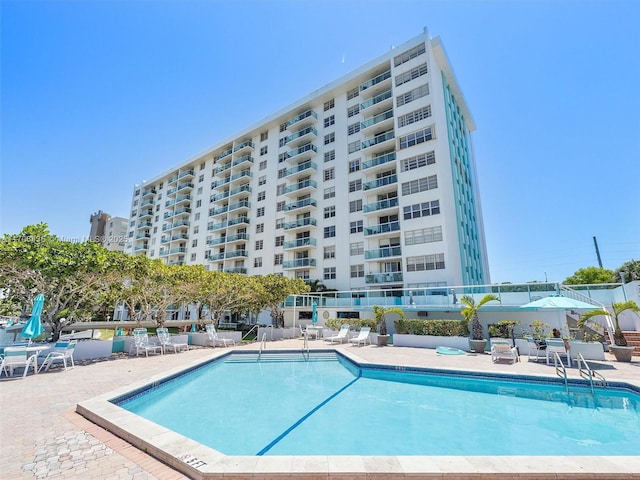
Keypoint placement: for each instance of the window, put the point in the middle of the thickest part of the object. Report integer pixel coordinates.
(414, 116)
(199, 191)
(262, 180)
(328, 105)
(279, 223)
(424, 209)
(416, 138)
(264, 150)
(330, 273)
(198, 203)
(418, 161)
(410, 96)
(330, 211)
(280, 206)
(207, 254)
(278, 258)
(355, 146)
(281, 188)
(197, 217)
(260, 212)
(356, 227)
(259, 244)
(357, 271)
(411, 74)
(354, 110)
(282, 173)
(353, 93)
(193, 257)
(262, 195)
(353, 128)
(262, 165)
(329, 174)
(356, 248)
(330, 232)
(279, 240)
(420, 185)
(329, 156)
(202, 166)
(264, 136)
(331, 120)
(425, 262)
(257, 262)
(355, 185)
(423, 235)
(329, 192)
(409, 55)
(283, 127)
(260, 228)
(194, 243)
(354, 165)
(201, 179)
(283, 157)
(355, 206)
(330, 252)
(329, 138)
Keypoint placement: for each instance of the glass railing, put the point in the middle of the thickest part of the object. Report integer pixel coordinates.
(217, 241)
(180, 236)
(244, 173)
(172, 179)
(300, 186)
(375, 80)
(240, 189)
(165, 239)
(143, 235)
(237, 205)
(216, 257)
(377, 119)
(141, 247)
(218, 197)
(303, 222)
(145, 213)
(301, 168)
(147, 202)
(302, 116)
(175, 262)
(244, 158)
(382, 228)
(239, 220)
(381, 205)
(300, 150)
(300, 204)
(236, 253)
(223, 168)
(380, 182)
(301, 133)
(299, 263)
(236, 270)
(245, 144)
(379, 139)
(186, 173)
(148, 191)
(300, 242)
(383, 277)
(379, 160)
(375, 100)
(237, 236)
(224, 154)
(145, 224)
(182, 186)
(383, 253)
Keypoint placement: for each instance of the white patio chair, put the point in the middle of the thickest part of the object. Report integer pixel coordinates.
(165, 341)
(362, 338)
(216, 339)
(141, 342)
(536, 348)
(557, 345)
(16, 357)
(341, 336)
(502, 350)
(62, 351)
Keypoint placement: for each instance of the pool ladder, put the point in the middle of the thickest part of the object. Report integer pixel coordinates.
(263, 343)
(587, 373)
(305, 348)
(561, 370)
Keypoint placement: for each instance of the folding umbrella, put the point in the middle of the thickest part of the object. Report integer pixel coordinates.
(314, 312)
(33, 328)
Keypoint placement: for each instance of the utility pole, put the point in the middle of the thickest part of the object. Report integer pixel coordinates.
(595, 242)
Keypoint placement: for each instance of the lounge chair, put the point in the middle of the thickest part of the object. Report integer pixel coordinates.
(60, 353)
(15, 357)
(557, 345)
(537, 348)
(502, 350)
(216, 339)
(141, 342)
(341, 336)
(165, 341)
(362, 338)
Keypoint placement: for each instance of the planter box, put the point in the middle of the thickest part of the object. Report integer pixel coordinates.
(430, 341)
(86, 349)
(275, 333)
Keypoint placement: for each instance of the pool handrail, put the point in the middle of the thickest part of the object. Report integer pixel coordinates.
(561, 370)
(263, 343)
(589, 374)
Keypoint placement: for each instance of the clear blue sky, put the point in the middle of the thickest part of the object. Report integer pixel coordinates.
(99, 95)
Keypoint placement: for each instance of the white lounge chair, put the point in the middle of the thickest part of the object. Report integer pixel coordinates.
(62, 351)
(141, 342)
(557, 345)
(362, 338)
(165, 341)
(536, 348)
(340, 337)
(216, 339)
(502, 350)
(15, 357)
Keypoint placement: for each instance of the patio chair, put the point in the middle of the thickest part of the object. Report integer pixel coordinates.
(311, 331)
(141, 342)
(362, 338)
(502, 350)
(216, 339)
(16, 357)
(165, 341)
(341, 336)
(537, 348)
(557, 345)
(60, 353)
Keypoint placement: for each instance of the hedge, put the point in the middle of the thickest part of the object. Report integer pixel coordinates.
(442, 328)
(354, 323)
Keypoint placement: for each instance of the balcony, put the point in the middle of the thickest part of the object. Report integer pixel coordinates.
(300, 243)
(303, 152)
(248, 159)
(306, 134)
(301, 169)
(173, 251)
(216, 257)
(145, 213)
(305, 118)
(229, 223)
(185, 186)
(221, 155)
(247, 144)
(178, 200)
(240, 175)
(147, 202)
(144, 225)
(381, 205)
(380, 142)
(242, 270)
(379, 81)
(379, 160)
(172, 179)
(148, 191)
(186, 174)
(301, 205)
(143, 235)
(382, 229)
(380, 182)
(175, 262)
(139, 248)
(382, 101)
(223, 168)
(301, 187)
(377, 278)
(299, 263)
(180, 212)
(236, 254)
(174, 238)
(240, 190)
(219, 196)
(300, 223)
(178, 224)
(386, 252)
(381, 121)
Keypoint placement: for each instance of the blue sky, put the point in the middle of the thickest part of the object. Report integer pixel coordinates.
(100, 95)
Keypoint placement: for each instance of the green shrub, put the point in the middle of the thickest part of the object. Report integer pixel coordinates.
(502, 329)
(354, 323)
(442, 328)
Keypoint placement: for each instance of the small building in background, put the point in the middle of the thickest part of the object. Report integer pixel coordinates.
(109, 231)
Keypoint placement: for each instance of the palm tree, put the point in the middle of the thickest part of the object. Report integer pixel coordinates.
(380, 313)
(618, 308)
(470, 313)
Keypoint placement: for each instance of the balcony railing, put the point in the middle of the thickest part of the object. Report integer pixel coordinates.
(380, 182)
(245, 144)
(224, 154)
(378, 139)
(138, 248)
(146, 213)
(307, 202)
(381, 205)
(301, 133)
(236, 253)
(216, 257)
(186, 173)
(385, 252)
(300, 243)
(383, 277)
(303, 222)
(369, 122)
(170, 226)
(379, 160)
(303, 116)
(242, 270)
(223, 168)
(382, 228)
(301, 168)
(148, 191)
(178, 199)
(143, 235)
(375, 80)
(144, 225)
(375, 100)
(300, 185)
(309, 147)
(147, 202)
(243, 159)
(299, 263)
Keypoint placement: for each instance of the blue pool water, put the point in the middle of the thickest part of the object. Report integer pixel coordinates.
(332, 407)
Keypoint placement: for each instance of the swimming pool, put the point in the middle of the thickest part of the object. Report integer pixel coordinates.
(332, 406)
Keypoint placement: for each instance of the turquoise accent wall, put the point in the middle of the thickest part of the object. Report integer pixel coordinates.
(464, 193)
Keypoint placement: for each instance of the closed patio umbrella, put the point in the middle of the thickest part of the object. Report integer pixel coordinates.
(33, 328)
(314, 312)
(559, 302)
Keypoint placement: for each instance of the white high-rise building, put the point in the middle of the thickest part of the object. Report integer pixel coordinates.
(368, 183)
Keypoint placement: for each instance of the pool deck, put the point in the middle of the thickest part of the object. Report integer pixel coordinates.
(42, 436)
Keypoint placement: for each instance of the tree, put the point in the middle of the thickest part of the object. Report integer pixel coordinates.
(590, 276)
(630, 269)
(380, 314)
(470, 313)
(618, 308)
(276, 289)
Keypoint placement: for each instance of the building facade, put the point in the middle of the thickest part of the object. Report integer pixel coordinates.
(110, 232)
(368, 183)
